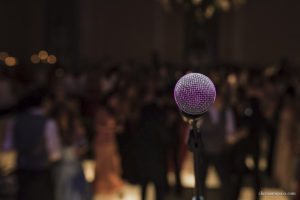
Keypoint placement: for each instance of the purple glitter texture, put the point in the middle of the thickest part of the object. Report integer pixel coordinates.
(194, 93)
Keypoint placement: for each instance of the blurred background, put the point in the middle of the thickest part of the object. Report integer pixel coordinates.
(87, 108)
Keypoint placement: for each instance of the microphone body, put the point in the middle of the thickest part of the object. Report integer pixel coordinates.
(194, 93)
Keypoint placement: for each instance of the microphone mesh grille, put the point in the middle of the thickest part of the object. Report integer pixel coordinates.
(194, 93)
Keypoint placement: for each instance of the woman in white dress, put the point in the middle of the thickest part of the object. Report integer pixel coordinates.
(70, 183)
(285, 157)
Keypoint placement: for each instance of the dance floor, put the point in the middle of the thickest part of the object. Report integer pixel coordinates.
(133, 192)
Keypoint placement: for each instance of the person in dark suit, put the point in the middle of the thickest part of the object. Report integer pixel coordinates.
(35, 137)
(218, 132)
(174, 145)
(152, 140)
(250, 121)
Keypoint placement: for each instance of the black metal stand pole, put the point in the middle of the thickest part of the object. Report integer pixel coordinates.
(196, 146)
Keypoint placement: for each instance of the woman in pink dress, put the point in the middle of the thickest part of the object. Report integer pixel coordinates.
(108, 169)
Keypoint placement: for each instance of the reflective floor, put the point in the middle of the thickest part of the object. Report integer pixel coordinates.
(132, 192)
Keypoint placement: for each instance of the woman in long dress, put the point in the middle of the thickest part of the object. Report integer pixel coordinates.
(108, 168)
(70, 183)
(285, 157)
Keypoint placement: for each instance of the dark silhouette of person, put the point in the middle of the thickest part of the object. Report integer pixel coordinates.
(174, 144)
(35, 137)
(249, 119)
(151, 147)
(217, 128)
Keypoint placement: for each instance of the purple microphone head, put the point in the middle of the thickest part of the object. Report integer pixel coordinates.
(194, 93)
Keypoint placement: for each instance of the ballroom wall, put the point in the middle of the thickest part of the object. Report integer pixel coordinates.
(22, 27)
(261, 32)
(131, 29)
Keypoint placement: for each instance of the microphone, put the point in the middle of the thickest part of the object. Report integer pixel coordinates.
(194, 93)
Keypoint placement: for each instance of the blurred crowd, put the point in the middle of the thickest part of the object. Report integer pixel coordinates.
(123, 116)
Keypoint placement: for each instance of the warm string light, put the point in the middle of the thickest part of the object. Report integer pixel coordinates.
(51, 59)
(224, 5)
(232, 79)
(209, 12)
(35, 59)
(43, 57)
(10, 61)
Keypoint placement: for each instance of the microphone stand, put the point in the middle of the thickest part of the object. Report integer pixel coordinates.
(195, 144)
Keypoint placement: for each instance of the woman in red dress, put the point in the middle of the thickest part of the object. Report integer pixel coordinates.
(108, 166)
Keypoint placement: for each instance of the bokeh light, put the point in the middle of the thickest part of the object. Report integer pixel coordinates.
(209, 12)
(35, 59)
(224, 5)
(10, 61)
(232, 79)
(51, 59)
(43, 55)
